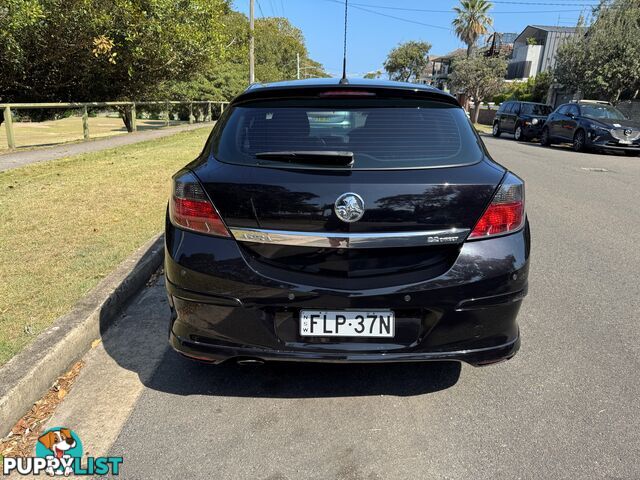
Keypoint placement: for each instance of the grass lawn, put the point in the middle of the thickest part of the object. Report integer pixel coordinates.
(68, 223)
(482, 128)
(38, 134)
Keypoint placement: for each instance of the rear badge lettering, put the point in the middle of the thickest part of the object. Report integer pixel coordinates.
(438, 239)
(255, 237)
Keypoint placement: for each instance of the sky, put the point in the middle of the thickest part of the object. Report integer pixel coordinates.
(372, 33)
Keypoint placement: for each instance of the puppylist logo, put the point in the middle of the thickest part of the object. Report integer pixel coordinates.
(59, 452)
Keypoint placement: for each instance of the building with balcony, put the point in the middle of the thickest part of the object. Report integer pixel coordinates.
(535, 50)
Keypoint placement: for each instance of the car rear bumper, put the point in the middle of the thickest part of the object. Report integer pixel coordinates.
(223, 308)
(206, 352)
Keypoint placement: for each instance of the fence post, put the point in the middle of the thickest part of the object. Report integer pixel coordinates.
(85, 123)
(190, 113)
(209, 117)
(166, 119)
(8, 124)
(134, 126)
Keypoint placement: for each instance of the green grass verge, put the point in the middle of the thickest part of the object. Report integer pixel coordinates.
(482, 128)
(68, 223)
(30, 135)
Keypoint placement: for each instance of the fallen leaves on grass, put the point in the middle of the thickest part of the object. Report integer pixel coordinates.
(23, 436)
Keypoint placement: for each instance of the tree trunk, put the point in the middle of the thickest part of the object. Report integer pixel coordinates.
(125, 113)
(618, 93)
(476, 111)
(469, 49)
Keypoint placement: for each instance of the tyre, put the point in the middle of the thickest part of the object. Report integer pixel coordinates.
(545, 139)
(518, 135)
(632, 154)
(579, 141)
(496, 130)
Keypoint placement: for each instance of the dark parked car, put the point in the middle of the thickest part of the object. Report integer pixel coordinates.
(391, 236)
(592, 125)
(523, 119)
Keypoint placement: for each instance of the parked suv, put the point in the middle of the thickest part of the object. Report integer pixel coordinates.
(523, 119)
(590, 124)
(391, 236)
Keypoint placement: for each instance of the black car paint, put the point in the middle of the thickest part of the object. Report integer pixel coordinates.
(508, 119)
(302, 199)
(232, 300)
(567, 120)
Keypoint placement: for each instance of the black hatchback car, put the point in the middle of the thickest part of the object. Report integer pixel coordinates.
(523, 119)
(595, 125)
(359, 222)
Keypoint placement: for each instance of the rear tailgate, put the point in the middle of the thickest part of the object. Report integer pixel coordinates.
(418, 168)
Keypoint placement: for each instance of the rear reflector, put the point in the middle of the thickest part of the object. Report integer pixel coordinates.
(191, 209)
(505, 214)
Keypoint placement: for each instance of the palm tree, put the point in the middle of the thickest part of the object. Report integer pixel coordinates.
(472, 20)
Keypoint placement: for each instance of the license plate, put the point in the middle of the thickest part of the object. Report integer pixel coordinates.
(625, 142)
(341, 323)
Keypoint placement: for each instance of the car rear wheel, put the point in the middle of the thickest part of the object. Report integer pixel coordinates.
(579, 141)
(496, 130)
(545, 139)
(518, 135)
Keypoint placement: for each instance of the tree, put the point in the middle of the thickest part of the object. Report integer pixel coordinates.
(542, 83)
(407, 61)
(472, 21)
(534, 89)
(99, 50)
(277, 43)
(373, 75)
(603, 60)
(479, 77)
(87, 50)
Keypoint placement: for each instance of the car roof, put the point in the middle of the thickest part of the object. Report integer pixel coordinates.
(336, 82)
(534, 103)
(585, 101)
(310, 86)
(529, 103)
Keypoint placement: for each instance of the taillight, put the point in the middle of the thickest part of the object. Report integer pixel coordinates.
(505, 214)
(191, 209)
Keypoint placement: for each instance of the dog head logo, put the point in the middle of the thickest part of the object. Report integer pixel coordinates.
(58, 441)
(62, 444)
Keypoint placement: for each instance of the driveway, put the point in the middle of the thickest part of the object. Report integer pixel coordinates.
(565, 407)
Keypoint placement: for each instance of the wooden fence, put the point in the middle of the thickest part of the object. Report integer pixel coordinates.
(85, 106)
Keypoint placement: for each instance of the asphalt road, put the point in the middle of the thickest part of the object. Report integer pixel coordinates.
(567, 406)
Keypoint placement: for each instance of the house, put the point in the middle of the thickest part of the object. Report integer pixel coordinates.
(498, 43)
(535, 50)
(439, 68)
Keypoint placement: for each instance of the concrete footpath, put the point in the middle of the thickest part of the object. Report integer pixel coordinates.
(20, 159)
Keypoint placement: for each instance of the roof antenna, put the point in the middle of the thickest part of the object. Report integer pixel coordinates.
(344, 80)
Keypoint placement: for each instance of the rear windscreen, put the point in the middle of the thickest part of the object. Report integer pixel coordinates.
(380, 134)
(535, 109)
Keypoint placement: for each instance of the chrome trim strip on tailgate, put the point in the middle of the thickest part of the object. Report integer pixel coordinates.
(350, 240)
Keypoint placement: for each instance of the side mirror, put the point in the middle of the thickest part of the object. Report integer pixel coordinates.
(571, 115)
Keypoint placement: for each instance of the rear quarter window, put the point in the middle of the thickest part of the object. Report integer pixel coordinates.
(381, 134)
